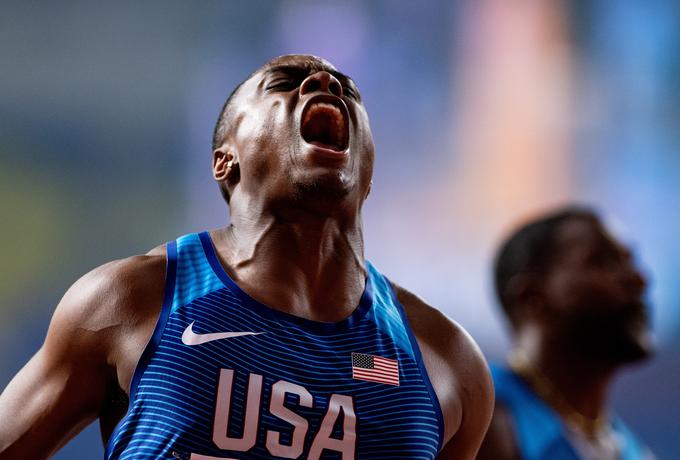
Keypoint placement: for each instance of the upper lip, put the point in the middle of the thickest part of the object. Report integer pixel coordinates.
(329, 99)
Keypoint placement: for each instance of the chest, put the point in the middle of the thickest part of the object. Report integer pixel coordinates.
(263, 388)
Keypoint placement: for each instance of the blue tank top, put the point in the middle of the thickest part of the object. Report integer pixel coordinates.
(226, 377)
(539, 432)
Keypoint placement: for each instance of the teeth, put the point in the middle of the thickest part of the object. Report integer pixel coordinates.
(324, 106)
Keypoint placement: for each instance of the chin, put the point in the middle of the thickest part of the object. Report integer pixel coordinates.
(638, 347)
(615, 340)
(628, 345)
(330, 186)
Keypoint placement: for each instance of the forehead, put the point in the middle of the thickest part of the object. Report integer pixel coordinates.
(299, 65)
(584, 234)
(301, 61)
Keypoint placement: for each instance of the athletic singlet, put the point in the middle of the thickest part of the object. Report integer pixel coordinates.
(226, 377)
(540, 433)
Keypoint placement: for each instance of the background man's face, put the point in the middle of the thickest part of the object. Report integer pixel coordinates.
(301, 131)
(596, 293)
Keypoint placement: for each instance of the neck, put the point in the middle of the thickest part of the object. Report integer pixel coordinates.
(578, 384)
(305, 264)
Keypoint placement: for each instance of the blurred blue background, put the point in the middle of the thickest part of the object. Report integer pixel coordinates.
(483, 111)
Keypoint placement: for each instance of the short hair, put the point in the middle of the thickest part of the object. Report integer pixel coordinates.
(220, 130)
(530, 249)
(221, 127)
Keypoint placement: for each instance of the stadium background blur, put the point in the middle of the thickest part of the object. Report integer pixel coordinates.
(483, 112)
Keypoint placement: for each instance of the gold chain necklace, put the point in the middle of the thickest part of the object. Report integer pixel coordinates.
(544, 388)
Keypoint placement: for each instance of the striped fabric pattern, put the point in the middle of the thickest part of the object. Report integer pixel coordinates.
(173, 397)
(195, 278)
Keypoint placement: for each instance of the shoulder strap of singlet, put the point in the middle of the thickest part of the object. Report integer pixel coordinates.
(154, 340)
(390, 318)
(195, 277)
(631, 447)
(537, 429)
(387, 311)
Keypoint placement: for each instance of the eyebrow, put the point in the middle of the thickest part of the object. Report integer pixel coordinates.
(307, 69)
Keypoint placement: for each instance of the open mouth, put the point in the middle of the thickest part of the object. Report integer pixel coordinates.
(325, 124)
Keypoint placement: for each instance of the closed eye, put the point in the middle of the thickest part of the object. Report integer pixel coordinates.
(349, 91)
(282, 85)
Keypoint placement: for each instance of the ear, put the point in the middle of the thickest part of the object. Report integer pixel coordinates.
(368, 192)
(224, 164)
(525, 291)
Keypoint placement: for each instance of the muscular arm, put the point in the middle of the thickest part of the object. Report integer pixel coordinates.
(68, 382)
(459, 375)
(477, 405)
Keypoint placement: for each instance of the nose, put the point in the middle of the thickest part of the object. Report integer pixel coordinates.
(637, 281)
(321, 81)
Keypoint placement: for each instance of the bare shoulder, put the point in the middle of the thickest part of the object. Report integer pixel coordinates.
(426, 319)
(458, 372)
(115, 290)
(103, 309)
(94, 340)
(443, 337)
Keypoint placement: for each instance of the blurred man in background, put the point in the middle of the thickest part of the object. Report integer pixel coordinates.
(575, 301)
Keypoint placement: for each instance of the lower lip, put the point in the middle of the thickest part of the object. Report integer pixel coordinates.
(334, 156)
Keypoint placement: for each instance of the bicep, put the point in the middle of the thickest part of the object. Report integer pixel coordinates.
(57, 393)
(465, 444)
(41, 408)
(477, 398)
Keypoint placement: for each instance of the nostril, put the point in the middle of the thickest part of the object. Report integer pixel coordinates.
(311, 85)
(335, 88)
(321, 81)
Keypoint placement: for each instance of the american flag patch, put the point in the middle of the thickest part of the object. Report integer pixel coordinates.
(375, 369)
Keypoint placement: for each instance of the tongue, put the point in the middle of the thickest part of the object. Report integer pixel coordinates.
(320, 130)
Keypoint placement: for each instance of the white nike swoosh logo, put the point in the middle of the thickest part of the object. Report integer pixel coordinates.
(189, 337)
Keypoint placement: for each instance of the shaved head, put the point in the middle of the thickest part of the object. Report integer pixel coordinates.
(309, 64)
(220, 131)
